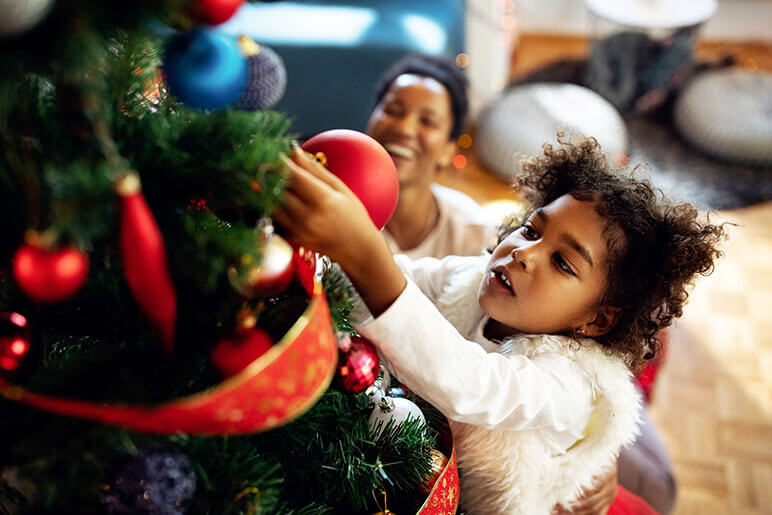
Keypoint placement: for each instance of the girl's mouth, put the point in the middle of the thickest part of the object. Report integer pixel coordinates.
(502, 281)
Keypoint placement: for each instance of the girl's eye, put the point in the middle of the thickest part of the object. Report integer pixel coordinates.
(562, 265)
(429, 122)
(529, 232)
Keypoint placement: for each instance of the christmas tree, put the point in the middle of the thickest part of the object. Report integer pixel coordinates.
(140, 278)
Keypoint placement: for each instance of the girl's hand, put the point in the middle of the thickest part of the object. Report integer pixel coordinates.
(322, 214)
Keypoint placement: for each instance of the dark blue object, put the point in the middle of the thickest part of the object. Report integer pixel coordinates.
(205, 68)
(335, 50)
(266, 82)
(155, 481)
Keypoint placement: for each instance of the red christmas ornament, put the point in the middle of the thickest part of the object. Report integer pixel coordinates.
(233, 354)
(14, 341)
(144, 260)
(305, 267)
(364, 165)
(271, 276)
(439, 462)
(358, 367)
(49, 276)
(214, 12)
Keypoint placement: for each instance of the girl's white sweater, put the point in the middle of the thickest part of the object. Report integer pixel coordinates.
(534, 418)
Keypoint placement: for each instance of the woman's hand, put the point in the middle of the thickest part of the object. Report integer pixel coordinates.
(323, 214)
(594, 500)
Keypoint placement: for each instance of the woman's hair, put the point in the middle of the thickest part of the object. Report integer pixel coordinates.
(444, 71)
(655, 247)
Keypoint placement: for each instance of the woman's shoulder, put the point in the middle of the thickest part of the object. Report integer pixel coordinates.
(459, 204)
(453, 196)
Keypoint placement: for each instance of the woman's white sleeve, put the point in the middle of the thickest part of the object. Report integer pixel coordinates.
(427, 273)
(469, 385)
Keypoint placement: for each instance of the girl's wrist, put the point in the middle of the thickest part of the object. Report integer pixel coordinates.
(375, 275)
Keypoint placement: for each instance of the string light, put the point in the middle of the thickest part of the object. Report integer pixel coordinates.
(508, 22)
(462, 60)
(459, 161)
(465, 141)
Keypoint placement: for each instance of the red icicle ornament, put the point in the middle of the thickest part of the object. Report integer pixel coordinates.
(144, 259)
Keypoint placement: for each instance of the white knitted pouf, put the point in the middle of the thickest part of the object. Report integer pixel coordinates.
(519, 122)
(727, 114)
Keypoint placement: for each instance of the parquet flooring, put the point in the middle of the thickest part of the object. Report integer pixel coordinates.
(713, 397)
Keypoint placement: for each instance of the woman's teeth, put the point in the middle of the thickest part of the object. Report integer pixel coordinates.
(399, 150)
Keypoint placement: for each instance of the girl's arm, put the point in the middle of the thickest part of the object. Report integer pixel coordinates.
(467, 384)
(422, 348)
(322, 214)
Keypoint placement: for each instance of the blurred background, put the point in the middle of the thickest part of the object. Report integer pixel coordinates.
(685, 86)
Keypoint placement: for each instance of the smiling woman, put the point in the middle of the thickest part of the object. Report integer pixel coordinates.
(420, 110)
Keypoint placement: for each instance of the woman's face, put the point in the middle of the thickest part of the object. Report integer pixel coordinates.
(550, 274)
(413, 121)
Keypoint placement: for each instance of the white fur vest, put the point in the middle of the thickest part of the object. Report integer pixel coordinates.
(513, 472)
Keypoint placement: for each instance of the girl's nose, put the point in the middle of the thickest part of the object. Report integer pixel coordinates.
(525, 256)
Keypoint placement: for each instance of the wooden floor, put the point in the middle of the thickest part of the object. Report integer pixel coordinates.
(713, 397)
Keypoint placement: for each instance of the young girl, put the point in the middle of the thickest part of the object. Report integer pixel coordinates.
(527, 351)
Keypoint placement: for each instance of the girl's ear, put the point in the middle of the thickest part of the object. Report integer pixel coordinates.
(605, 319)
(448, 151)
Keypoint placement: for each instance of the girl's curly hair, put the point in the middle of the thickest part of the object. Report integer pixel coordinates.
(652, 262)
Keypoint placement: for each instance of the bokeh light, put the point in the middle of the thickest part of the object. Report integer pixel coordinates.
(459, 161)
(462, 60)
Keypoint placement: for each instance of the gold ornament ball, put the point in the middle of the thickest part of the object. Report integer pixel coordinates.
(271, 276)
(439, 462)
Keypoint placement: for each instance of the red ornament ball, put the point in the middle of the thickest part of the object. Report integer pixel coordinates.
(269, 277)
(234, 353)
(439, 462)
(14, 341)
(49, 276)
(214, 12)
(358, 367)
(305, 267)
(364, 165)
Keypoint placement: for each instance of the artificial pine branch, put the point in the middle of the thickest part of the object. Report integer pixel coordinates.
(79, 102)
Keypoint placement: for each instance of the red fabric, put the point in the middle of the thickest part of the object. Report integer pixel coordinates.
(648, 375)
(627, 503)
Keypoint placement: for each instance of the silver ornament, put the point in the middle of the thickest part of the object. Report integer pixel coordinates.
(20, 15)
(387, 409)
(266, 77)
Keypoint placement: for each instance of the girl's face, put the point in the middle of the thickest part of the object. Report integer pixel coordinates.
(413, 121)
(550, 274)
